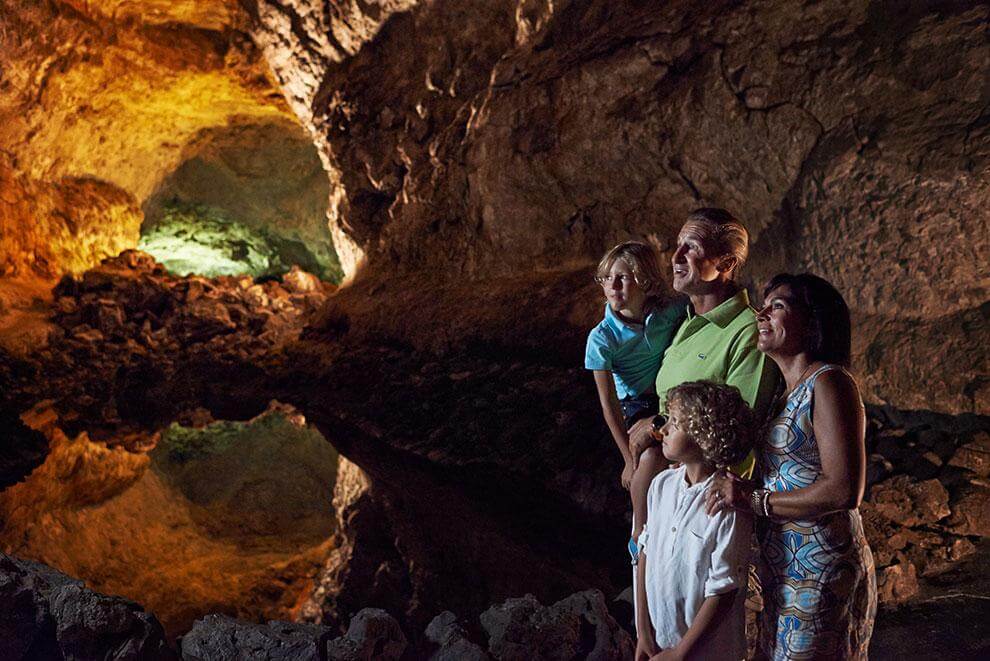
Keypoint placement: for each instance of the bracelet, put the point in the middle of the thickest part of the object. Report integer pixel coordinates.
(756, 502)
(767, 510)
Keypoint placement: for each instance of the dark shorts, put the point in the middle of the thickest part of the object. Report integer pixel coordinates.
(636, 408)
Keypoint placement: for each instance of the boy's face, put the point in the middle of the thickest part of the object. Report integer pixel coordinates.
(676, 444)
(622, 292)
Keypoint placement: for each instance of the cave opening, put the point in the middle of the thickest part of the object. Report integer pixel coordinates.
(247, 198)
(208, 516)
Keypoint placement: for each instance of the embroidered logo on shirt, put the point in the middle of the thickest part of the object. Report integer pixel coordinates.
(702, 355)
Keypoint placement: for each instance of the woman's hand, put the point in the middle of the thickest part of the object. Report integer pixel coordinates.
(627, 474)
(728, 490)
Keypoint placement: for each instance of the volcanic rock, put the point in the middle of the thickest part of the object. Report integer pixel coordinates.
(576, 627)
(443, 630)
(222, 637)
(974, 455)
(372, 634)
(897, 583)
(46, 615)
(911, 503)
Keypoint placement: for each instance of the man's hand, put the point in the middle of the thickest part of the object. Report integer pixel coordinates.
(667, 655)
(627, 474)
(640, 438)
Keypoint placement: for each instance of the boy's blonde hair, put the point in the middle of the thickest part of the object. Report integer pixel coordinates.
(642, 259)
(715, 417)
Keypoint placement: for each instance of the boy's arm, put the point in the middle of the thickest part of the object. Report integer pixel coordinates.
(612, 412)
(646, 645)
(713, 610)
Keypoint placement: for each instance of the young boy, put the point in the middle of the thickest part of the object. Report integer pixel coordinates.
(693, 568)
(625, 349)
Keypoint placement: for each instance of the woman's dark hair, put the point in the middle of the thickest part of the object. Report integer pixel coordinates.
(829, 330)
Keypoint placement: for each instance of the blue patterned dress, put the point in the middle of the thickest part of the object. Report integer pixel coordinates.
(819, 584)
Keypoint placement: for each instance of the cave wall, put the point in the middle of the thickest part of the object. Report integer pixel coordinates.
(97, 104)
(519, 135)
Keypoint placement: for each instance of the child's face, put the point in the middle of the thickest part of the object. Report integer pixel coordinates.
(622, 292)
(676, 444)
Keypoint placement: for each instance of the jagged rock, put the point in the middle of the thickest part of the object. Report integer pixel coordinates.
(971, 513)
(576, 627)
(46, 614)
(897, 583)
(372, 634)
(911, 503)
(222, 637)
(974, 455)
(443, 630)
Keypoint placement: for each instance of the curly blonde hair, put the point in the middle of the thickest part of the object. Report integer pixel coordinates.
(715, 417)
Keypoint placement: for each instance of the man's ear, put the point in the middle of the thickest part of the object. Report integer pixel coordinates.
(727, 263)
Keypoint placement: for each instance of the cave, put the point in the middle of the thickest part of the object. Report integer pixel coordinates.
(293, 298)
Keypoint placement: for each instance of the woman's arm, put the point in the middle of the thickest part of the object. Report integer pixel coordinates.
(612, 412)
(839, 420)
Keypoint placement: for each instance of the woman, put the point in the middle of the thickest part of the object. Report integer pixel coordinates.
(819, 585)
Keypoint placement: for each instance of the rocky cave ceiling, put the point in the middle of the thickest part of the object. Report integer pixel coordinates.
(474, 159)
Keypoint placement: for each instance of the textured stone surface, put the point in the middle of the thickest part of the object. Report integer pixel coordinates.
(47, 615)
(372, 634)
(98, 104)
(452, 640)
(539, 133)
(222, 637)
(576, 627)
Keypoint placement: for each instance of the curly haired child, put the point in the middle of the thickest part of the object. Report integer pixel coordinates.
(693, 568)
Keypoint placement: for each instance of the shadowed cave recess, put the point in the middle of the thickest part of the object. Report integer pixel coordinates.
(293, 298)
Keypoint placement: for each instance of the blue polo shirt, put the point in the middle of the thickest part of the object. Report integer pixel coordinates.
(632, 352)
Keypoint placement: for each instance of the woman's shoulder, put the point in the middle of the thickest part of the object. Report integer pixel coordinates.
(834, 384)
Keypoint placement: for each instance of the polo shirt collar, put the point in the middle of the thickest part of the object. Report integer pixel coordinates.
(725, 312)
(621, 329)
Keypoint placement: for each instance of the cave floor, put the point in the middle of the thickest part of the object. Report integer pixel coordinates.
(949, 620)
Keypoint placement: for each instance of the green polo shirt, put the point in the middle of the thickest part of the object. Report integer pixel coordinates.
(720, 346)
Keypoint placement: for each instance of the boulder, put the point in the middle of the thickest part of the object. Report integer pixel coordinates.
(974, 455)
(443, 630)
(576, 627)
(372, 634)
(222, 637)
(911, 503)
(897, 583)
(48, 615)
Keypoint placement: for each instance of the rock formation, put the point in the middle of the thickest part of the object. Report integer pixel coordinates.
(479, 158)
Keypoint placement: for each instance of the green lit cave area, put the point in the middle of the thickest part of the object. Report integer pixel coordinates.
(224, 516)
(246, 199)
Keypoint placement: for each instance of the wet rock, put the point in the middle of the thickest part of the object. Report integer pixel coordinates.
(443, 630)
(576, 627)
(222, 637)
(911, 503)
(372, 634)
(47, 614)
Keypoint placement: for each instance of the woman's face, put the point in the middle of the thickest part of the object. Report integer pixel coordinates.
(782, 323)
(695, 261)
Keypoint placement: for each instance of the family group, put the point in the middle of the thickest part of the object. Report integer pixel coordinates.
(733, 421)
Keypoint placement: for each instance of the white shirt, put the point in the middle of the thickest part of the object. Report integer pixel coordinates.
(691, 556)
